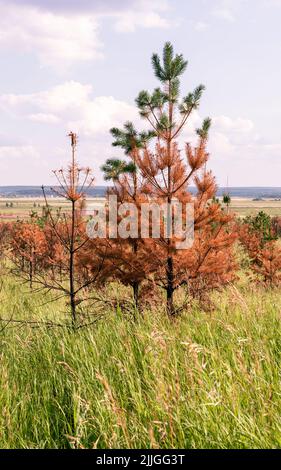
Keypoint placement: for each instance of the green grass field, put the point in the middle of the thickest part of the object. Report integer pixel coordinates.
(205, 380)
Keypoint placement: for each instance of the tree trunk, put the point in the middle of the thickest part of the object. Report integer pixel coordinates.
(71, 269)
(136, 294)
(31, 268)
(170, 264)
(170, 287)
(30, 274)
(136, 284)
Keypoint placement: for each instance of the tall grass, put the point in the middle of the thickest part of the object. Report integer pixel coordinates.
(205, 380)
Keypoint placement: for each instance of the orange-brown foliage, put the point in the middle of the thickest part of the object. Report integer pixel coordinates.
(264, 255)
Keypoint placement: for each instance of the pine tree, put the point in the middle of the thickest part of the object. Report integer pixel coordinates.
(65, 239)
(169, 176)
(128, 255)
(258, 237)
(28, 244)
(226, 199)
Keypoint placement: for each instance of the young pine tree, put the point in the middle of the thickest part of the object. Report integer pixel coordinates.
(128, 255)
(28, 246)
(64, 240)
(257, 235)
(169, 176)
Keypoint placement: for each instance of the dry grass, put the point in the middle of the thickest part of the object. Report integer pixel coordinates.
(244, 207)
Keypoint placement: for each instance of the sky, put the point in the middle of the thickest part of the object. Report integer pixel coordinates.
(78, 66)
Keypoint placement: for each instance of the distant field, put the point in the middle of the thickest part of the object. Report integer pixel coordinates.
(20, 208)
(12, 209)
(244, 207)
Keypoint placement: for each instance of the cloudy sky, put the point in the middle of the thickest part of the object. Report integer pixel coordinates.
(78, 65)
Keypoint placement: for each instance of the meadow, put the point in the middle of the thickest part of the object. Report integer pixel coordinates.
(202, 380)
(205, 379)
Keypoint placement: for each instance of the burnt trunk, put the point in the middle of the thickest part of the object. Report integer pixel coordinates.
(31, 268)
(30, 274)
(170, 287)
(136, 286)
(71, 269)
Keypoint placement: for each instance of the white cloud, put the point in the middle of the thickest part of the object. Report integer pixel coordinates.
(224, 14)
(271, 3)
(56, 100)
(45, 118)
(200, 26)
(14, 152)
(221, 146)
(228, 135)
(57, 40)
(226, 131)
(142, 14)
(237, 151)
(128, 22)
(21, 164)
(234, 142)
(71, 104)
(60, 38)
(102, 113)
(225, 123)
(228, 10)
